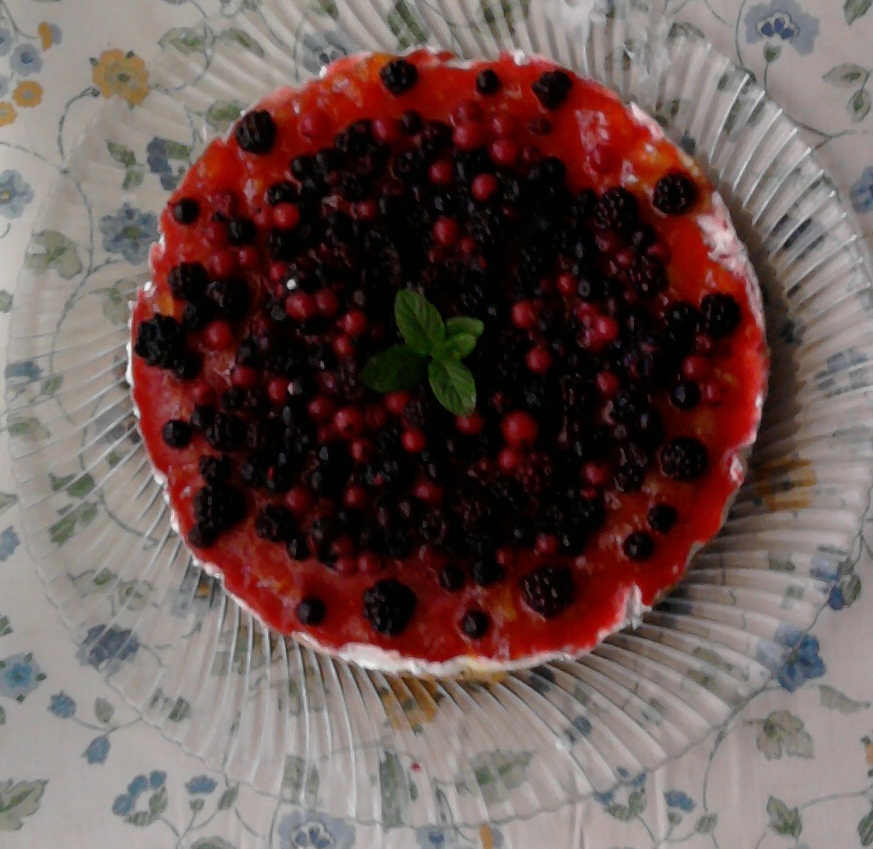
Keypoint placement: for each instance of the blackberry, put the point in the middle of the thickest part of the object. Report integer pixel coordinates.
(160, 341)
(389, 606)
(549, 171)
(219, 505)
(241, 231)
(616, 208)
(629, 478)
(283, 245)
(298, 547)
(648, 276)
(202, 416)
(649, 429)
(721, 314)
(628, 405)
(230, 297)
(311, 611)
(662, 518)
(590, 287)
(451, 577)
(684, 459)
(225, 432)
(486, 571)
(186, 211)
(202, 535)
(177, 433)
(215, 469)
(685, 395)
(275, 523)
(548, 590)
(592, 443)
(187, 365)
(197, 316)
(411, 122)
(487, 81)
(256, 132)
(552, 88)
(187, 281)
(282, 192)
(638, 546)
(398, 76)
(475, 624)
(398, 543)
(674, 194)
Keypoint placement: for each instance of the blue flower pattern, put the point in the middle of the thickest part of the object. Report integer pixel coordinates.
(201, 784)
(782, 21)
(861, 193)
(15, 194)
(6, 41)
(26, 60)
(9, 541)
(97, 750)
(310, 830)
(129, 232)
(104, 644)
(62, 705)
(20, 675)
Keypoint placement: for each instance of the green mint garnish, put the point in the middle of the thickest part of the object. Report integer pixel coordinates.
(431, 346)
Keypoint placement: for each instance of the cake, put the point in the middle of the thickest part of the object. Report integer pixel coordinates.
(447, 366)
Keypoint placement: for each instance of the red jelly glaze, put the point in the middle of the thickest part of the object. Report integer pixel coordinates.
(259, 572)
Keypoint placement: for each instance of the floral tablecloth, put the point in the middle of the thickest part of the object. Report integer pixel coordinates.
(78, 768)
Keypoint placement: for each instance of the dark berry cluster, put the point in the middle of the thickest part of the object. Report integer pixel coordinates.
(574, 370)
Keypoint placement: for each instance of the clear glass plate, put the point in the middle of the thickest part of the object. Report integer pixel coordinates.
(358, 744)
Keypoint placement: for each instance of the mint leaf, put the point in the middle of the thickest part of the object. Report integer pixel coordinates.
(462, 324)
(452, 384)
(418, 321)
(455, 347)
(395, 369)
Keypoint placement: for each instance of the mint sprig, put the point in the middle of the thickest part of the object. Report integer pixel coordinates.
(431, 346)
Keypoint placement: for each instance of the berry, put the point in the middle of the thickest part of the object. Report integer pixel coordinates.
(348, 422)
(398, 76)
(215, 469)
(483, 186)
(520, 429)
(685, 395)
(552, 88)
(185, 211)
(446, 231)
(240, 231)
(486, 571)
(256, 132)
(487, 81)
(475, 624)
(674, 194)
(539, 360)
(413, 441)
(721, 314)
(388, 606)
(616, 208)
(638, 546)
(662, 518)
(451, 577)
(548, 590)
(275, 524)
(286, 215)
(217, 335)
(524, 315)
(159, 341)
(177, 433)
(311, 611)
(684, 459)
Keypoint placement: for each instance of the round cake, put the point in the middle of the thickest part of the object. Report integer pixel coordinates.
(447, 366)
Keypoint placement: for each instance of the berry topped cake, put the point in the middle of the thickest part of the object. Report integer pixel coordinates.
(447, 366)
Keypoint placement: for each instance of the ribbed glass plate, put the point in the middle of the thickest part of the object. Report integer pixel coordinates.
(399, 751)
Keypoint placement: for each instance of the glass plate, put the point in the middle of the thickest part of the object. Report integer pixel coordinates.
(398, 751)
